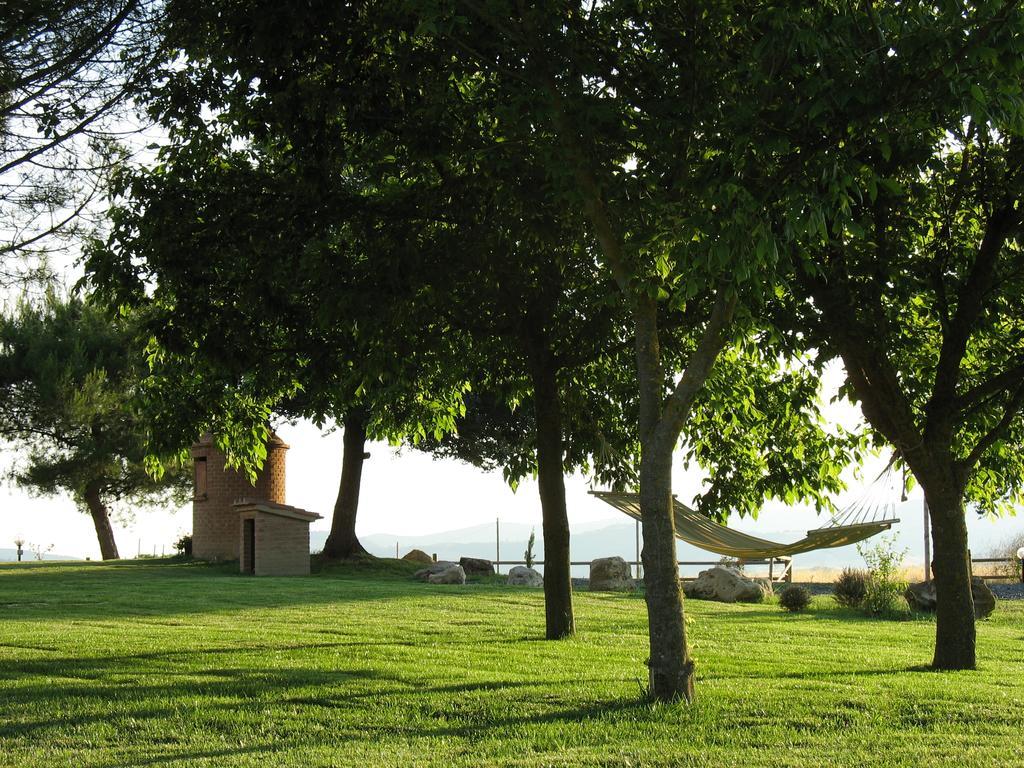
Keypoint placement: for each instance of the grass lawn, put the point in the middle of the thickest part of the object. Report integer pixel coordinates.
(174, 664)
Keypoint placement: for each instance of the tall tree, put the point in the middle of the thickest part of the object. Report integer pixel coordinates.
(630, 137)
(69, 393)
(282, 312)
(528, 297)
(893, 141)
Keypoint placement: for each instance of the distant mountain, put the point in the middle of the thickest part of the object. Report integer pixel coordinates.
(11, 556)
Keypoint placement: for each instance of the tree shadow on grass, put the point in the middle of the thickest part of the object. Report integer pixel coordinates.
(187, 757)
(96, 682)
(104, 681)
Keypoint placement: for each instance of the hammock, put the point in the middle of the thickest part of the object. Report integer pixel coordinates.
(861, 520)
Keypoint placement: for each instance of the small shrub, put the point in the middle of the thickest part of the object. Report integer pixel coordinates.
(528, 554)
(731, 562)
(851, 587)
(885, 588)
(1010, 569)
(183, 546)
(794, 598)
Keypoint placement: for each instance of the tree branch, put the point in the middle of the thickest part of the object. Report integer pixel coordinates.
(712, 341)
(972, 299)
(993, 435)
(991, 386)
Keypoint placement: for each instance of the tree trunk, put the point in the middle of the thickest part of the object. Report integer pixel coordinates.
(954, 613)
(101, 519)
(671, 669)
(558, 612)
(670, 666)
(342, 541)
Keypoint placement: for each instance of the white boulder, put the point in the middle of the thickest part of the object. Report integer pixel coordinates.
(521, 576)
(610, 574)
(453, 575)
(724, 585)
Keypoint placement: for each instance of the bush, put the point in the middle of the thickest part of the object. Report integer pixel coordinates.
(885, 588)
(528, 554)
(731, 562)
(794, 598)
(183, 546)
(1008, 550)
(851, 587)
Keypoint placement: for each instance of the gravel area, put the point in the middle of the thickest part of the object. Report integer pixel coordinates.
(1007, 591)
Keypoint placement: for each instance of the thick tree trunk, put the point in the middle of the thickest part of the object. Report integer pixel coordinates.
(670, 666)
(342, 541)
(558, 612)
(671, 669)
(101, 519)
(954, 613)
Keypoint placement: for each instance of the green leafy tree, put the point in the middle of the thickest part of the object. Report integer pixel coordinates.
(283, 310)
(628, 104)
(69, 395)
(892, 142)
(290, 128)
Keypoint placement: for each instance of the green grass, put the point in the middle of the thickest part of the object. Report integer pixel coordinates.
(178, 664)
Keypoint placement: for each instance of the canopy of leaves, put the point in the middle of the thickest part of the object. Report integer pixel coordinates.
(330, 162)
(893, 140)
(69, 395)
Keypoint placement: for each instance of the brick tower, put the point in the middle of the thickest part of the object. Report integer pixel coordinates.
(215, 525)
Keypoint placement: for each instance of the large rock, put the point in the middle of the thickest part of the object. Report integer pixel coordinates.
(521, 576)
(610, 574)
(477, 566)
(984, 600)
(724, 585)
(417, 556)
(921, 597)
(453, 575)
(434, 568)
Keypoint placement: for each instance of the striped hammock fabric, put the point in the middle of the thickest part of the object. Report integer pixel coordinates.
(695, 529)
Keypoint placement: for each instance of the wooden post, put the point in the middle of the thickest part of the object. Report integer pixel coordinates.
(927, 545)
(497, 545)
(771, 569)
